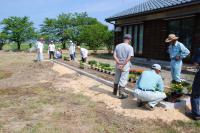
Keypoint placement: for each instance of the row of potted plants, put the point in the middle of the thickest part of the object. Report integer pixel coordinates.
(102, 67)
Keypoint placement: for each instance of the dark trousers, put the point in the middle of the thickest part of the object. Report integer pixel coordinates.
(195, 97)
(72, 56)
(51, 54)
(84, 59)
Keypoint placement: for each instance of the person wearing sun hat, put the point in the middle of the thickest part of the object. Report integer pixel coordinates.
(177, 52)
(51, 49)
(39, 49)
(149, 89)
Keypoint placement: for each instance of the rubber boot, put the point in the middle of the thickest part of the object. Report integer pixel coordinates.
(115, 89)
(122, 94)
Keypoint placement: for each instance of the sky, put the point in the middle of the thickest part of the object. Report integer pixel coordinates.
(37, 10)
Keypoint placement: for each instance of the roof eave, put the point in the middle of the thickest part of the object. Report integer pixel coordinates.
(152, 11)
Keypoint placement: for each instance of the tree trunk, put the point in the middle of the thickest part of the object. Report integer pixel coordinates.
(18, 45)
(1, 46)
(64, 45)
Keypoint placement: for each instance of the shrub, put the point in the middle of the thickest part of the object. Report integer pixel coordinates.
(92, 62)
(104, 65)
(109, 68)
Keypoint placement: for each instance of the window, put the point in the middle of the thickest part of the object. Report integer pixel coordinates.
(136, 32)
(138, 39)
(183, 29)
(125, 30)
(128, 30)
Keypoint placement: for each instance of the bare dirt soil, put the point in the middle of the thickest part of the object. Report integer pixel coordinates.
(48, 98)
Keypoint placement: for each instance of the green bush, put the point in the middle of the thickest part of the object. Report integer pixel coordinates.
(109, 68)
(104, 65)
(92, 62)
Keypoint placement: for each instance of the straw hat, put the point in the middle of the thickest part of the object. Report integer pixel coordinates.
(171, 37)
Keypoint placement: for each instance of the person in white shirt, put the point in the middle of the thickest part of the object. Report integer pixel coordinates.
(51, 50)
(72, 49)
(84, 53)
(39, 49)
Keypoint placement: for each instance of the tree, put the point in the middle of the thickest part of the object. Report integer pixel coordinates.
(110, 41)
(58, 29)
(48, 29)
(94, 36)
(3, 38)
(18, 29)
(66, 26)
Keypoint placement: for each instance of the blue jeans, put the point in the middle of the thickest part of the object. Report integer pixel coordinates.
(176, 67)
(195, 103)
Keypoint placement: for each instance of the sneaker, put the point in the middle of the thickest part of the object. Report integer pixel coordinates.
(148, 107)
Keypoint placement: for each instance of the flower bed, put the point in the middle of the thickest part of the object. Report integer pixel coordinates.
(177, 91)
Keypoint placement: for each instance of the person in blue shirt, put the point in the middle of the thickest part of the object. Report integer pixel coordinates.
(195, 96)
(150, 88)
(177, 52)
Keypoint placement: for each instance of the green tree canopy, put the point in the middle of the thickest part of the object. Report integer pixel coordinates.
(66, 26)
(94, 36)
(18, 29)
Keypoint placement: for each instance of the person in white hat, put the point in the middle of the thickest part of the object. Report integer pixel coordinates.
(150, 88)
(51, 49)
(39, 49)
(177, 52)
(72, 50)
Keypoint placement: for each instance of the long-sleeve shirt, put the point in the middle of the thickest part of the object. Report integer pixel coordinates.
(39, 46)
(84, 53)
(150, 80)
(178, 50)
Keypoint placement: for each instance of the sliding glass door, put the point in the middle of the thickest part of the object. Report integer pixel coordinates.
(137, 33)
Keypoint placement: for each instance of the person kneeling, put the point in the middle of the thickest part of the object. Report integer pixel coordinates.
(150, 88)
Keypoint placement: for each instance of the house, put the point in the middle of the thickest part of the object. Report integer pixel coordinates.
(150, 22)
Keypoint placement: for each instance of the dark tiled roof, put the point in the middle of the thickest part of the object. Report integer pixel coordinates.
(151, 5)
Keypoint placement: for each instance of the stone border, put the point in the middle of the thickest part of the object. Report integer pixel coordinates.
(178, 105)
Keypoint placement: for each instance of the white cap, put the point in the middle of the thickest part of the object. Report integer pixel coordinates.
(156, 66)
